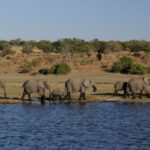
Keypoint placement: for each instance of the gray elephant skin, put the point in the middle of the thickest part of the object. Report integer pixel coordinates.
(136, 85)
(3, 86)
(36, 86)
(120, 86)
(57, 95)
(147, 90)
(78, 85)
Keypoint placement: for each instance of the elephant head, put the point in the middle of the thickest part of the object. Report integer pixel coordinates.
(146, 80)
(89, 83)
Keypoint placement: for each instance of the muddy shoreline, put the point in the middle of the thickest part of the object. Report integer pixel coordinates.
(107, 99)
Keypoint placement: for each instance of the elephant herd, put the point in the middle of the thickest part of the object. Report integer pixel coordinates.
(40, 86)
(133, 86)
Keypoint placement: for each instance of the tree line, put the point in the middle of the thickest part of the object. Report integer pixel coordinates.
(74, 45)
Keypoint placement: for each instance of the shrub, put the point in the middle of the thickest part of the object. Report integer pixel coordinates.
(60, 68)
(117, 67)
(148, 70)
(28, 66)
(126, 61)
(44, 71)
(7, 52)
(27, 48)
(123, 65)
(46, 46)
(4, 45)
(139, 69)
(24, 69)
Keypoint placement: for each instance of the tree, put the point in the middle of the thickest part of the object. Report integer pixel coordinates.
(44, 45)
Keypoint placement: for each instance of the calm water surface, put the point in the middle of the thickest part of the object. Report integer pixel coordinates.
(95, 126)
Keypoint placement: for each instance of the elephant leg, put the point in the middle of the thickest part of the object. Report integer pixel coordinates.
(125, 94)
(115, 93)
(141, 92)
(133, 95)
(81, 96)
(43, 99)
(23, 95)
(60, 99)
(84, 96)
(69, 96)
(29, 96)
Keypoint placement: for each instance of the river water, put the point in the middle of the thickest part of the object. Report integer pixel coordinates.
(94, 126)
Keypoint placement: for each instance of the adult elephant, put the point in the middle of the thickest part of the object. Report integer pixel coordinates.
(136, 85)
(36, 86)
(147, 90)
(78, 85)
(3, 86)
(120, 86)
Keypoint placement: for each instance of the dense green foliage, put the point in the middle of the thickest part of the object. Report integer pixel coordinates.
(60, 68)
(117, 67)
(127, 65)
(123, 65)
(75, 45)
(139, 69)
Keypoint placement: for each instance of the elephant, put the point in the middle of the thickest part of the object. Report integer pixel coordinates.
(137, 85)
(147, 90)
(120, 86)
(3, 86)
(78, 85)
(36, 86)
(57, 95)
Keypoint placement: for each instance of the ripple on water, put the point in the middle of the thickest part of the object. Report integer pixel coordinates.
(93, 126)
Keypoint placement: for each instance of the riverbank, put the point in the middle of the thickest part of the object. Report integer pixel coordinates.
(103, 80)
(100, 100)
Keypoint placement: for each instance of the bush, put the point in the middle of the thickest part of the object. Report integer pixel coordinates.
(28, 66)
(139, 69)
(123, 65)
(44, 71)
(25, 69)
(7, 52)
(46, 46)
(27, 48)
(126, 63)
(117, 67)
(60, 68)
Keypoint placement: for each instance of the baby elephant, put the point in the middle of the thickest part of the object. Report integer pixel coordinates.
(3, 86)
(120, 86)
(57, 95)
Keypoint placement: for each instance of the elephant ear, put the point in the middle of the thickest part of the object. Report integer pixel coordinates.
(146, 81)
(86, 83)
(41, 84)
